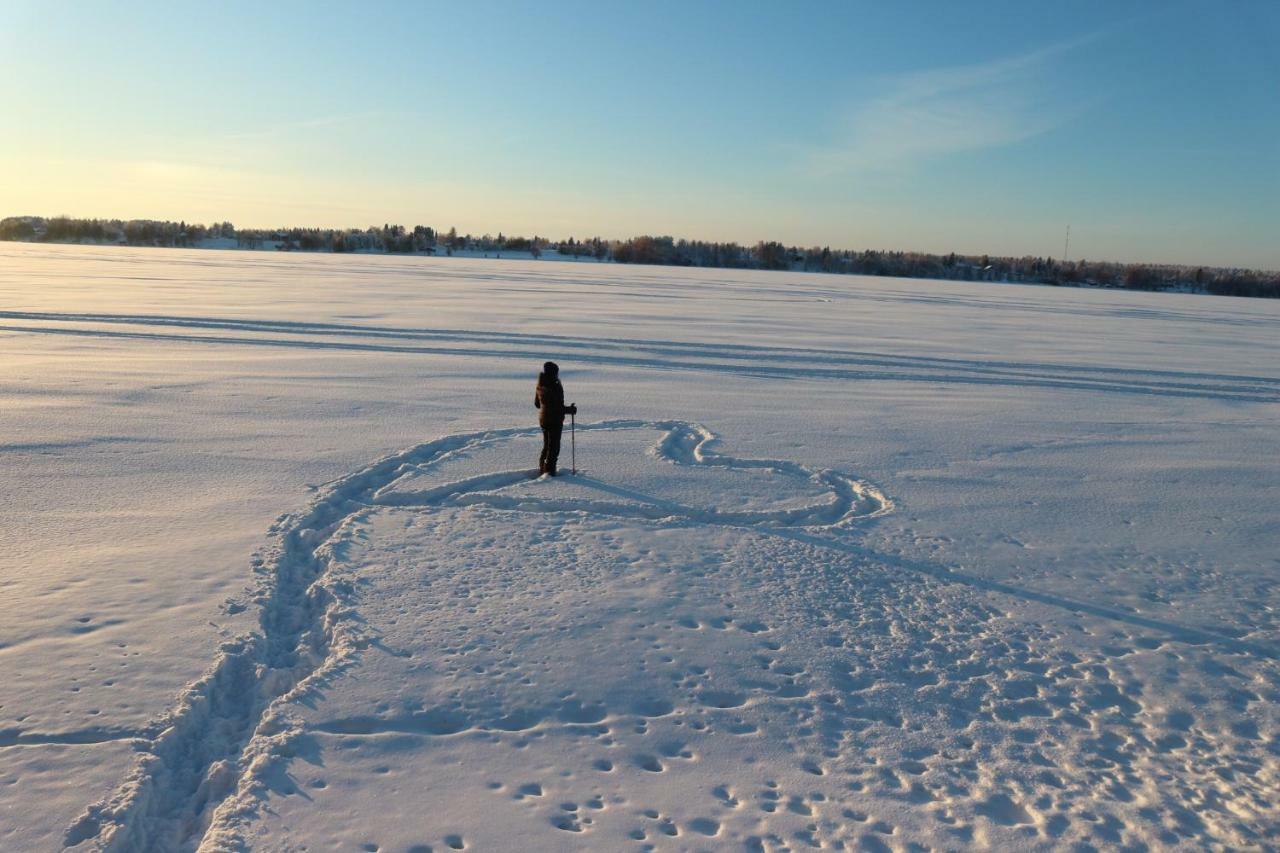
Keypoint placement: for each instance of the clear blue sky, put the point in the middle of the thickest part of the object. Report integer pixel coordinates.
(1152, 128)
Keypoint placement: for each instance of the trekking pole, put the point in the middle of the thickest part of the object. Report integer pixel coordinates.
(573, 442)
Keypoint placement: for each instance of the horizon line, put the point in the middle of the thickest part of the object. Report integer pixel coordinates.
(654, 235)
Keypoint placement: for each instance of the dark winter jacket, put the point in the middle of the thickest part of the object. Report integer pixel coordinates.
(548, 398)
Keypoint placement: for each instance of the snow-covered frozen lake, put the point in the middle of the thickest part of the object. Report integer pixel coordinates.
(850, 563)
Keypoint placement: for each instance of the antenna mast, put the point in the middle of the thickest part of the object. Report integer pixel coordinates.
(1065, 244)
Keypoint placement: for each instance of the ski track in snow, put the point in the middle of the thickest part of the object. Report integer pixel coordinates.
(736, 359)
(204, 764)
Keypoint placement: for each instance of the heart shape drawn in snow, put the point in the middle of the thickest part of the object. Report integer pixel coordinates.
(702, 486)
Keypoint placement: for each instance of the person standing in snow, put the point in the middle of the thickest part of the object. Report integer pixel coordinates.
(548, 399)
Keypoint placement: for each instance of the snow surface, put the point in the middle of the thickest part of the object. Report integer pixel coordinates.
(850, 563)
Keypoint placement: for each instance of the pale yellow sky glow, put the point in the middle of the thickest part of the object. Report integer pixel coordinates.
(161, 189)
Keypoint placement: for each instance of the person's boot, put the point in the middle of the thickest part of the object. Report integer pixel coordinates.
(551, 469)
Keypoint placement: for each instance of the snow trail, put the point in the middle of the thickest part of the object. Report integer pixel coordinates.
(682, 444)
(207, 762)
(727, 358)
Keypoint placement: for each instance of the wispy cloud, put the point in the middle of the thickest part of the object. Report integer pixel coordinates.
(928, 114)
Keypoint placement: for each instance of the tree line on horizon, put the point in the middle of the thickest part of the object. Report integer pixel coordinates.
(646, 249)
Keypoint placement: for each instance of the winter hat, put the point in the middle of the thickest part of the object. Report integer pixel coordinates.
(551, 368)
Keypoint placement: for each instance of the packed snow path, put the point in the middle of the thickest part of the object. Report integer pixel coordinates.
(708, 659)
